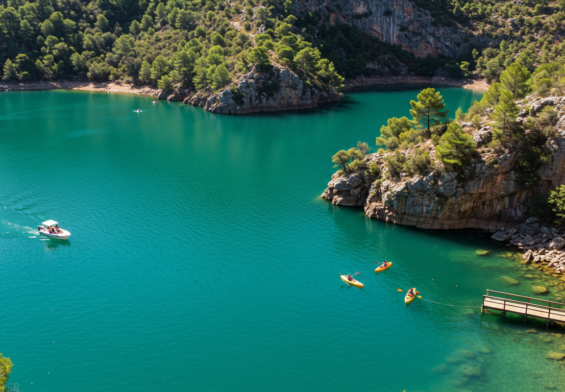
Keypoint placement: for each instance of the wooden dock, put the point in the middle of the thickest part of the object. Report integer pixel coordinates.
(527, 306)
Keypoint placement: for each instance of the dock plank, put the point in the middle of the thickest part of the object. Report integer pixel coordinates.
(524, 308)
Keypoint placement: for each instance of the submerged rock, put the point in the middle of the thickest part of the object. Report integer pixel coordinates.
(471, 371)
(555, 356)
(510, 280)
(482, 252)
(539, 290)
(440, 369)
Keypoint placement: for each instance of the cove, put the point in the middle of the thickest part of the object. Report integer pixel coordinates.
(202, 258)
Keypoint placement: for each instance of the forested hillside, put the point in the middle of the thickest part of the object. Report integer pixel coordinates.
(196, 43)
(208, 42)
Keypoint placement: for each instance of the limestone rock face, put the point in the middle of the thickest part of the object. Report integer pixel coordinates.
(397, 22)
(346, 190)
(275, 89)
(488, 197)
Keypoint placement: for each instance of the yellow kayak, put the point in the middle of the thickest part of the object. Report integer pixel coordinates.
(381, 268)
(353, 282)
(408, 299)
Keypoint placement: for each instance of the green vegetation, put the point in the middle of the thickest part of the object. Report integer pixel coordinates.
(556, 201)
(406, 144)
(429, 109)
(456, 149)
(193, 43)
(550, 207)
(5, 370)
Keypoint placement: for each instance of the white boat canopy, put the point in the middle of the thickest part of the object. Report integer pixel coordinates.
(49, 223)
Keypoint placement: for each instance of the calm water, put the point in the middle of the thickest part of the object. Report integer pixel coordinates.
(203, 259)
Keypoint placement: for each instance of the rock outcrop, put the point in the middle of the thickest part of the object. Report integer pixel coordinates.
(489, 197)
(397, 22)
(274, 89)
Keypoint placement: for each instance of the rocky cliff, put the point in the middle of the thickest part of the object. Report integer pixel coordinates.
(490, 197)
(397, 22)
(276, 88)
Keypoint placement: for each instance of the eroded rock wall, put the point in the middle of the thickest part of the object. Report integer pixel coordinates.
(490, 197)
(397, 22)
(274, 89)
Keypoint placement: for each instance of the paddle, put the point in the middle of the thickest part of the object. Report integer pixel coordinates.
(400, 290)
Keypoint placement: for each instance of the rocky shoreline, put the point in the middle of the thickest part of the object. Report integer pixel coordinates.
(490, 197)
(543, 245)
(471, 84)
(291, 94)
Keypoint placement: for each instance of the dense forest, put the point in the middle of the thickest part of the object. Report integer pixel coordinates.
(195, 43)
(201, 43)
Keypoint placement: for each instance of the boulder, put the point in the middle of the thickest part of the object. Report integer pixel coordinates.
(525, 229)
(537, 106)
(510, 280)
(528, 256)
(539, 290)
(483, 137)
(555, 356)
(500, 236)
(528, 241)
(557, 243)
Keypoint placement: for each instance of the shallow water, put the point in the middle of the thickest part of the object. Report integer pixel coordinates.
(202, 258)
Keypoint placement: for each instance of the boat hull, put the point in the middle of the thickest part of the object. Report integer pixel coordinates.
(379, 269)
(60, 236)
(354, 282)
(408, 299)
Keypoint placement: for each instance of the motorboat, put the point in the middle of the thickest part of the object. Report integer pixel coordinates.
(50, 229)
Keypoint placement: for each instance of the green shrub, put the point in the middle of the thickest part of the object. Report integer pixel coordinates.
(418, 162)
(395, 164)
(556, 201)
(374, 169)
(455, 148)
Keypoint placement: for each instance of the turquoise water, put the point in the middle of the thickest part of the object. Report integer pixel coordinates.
(202, 258)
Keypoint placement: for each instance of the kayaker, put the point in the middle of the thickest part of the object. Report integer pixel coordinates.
(350, 278)
(384, 264)
(411, 292)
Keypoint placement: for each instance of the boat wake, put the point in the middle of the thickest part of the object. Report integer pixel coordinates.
(14, 230)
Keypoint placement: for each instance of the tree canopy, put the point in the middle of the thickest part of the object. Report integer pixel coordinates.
(429, 109)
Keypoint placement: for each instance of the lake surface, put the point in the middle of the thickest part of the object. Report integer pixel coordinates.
(203, 259)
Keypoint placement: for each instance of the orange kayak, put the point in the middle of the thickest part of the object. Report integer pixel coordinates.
(353, 282)
(381, 268)
(408, 299)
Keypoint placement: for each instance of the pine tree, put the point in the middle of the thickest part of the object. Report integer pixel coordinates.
(514, 79)
(259, 56)
(429, 109)
(221, 77)
(165, 83)
(9, 71)
(455, 147)
(145, 72)
(505, 111)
